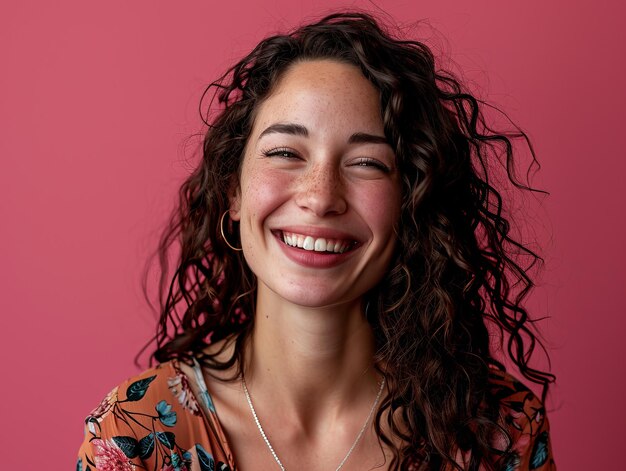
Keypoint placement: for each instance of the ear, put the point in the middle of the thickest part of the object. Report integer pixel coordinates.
(234, 201)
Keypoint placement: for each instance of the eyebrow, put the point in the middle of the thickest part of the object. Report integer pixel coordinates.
(299, 130)
(364, 138)
(286, 128)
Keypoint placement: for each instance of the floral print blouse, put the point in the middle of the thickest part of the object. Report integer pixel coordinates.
(154, 421)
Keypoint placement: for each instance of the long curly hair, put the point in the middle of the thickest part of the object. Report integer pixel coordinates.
(456, 268)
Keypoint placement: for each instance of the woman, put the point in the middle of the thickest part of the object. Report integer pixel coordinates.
(341, 249)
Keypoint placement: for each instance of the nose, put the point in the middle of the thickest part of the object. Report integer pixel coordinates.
(321, 191)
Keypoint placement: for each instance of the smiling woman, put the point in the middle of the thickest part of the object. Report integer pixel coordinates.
(341, 252)
(318, 169)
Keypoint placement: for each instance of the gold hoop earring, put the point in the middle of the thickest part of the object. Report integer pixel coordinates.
(222, 232)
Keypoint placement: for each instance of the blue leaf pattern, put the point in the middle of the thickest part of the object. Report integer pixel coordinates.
(167, 438)
(205, 458)
(512, 462)
(128, 445)
(208, 402)
(138, 389)
(166, 415)
(540, 451)
(146, 446)
(176, 461)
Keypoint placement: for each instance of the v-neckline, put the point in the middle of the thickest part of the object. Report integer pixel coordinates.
(207, 406)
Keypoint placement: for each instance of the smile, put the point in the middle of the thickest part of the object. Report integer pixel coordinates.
(317, 244)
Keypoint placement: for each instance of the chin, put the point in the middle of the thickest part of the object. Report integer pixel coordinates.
(318, 298)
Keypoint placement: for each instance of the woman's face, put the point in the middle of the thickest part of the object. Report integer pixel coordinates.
(319, 192)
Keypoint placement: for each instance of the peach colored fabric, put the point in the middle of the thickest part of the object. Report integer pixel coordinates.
(153, 421)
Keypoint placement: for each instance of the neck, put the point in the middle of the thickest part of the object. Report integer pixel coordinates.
(314, 364)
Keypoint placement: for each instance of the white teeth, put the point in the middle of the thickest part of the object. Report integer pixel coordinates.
(309, 243)
(319, 245)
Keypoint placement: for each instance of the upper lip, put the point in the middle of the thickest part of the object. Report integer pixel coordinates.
(318, 232)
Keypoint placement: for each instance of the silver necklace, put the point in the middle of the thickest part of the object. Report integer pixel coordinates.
(269, 445)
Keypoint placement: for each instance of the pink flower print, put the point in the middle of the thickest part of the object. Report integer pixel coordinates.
(106, 404)
(179, 386)
(169, 467)
(109, 457)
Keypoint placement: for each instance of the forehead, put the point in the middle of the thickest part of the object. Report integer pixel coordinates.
(322, 73)
(322, 92)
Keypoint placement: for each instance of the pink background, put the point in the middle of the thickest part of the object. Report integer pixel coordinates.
(97, 99)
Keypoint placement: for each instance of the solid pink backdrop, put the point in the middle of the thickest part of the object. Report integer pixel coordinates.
(97, 100)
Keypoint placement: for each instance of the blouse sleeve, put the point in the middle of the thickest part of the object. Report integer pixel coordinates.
(109, 442)
(524, 417)
(136, 426)
(151, 421)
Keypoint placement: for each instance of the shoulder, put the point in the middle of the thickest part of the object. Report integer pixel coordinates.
(151, 389)
(152, 417)
(523, 416)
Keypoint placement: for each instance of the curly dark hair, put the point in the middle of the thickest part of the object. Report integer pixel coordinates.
(456, 267)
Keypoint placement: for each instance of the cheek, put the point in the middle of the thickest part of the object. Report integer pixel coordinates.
(382, 207)
(262, 193)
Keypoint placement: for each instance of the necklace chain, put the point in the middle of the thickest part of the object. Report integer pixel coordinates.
(269, 445)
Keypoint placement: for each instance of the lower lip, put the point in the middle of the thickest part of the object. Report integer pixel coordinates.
(313, 259)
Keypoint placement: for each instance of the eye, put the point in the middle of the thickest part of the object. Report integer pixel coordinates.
(281, 152)
(369, 162)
